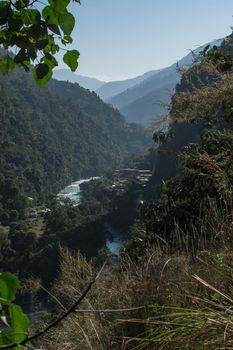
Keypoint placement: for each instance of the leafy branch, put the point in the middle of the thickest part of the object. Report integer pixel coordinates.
(37, 35)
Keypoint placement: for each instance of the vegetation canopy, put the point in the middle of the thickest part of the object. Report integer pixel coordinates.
(36, 33)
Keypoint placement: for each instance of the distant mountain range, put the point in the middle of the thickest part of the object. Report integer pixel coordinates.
(104, 90)
(85, 82)
(141, 99)
(113, 88)
(150, 98)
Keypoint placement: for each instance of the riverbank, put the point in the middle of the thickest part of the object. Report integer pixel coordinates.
(73, 191)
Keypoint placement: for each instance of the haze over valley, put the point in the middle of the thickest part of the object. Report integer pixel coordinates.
(141, 99)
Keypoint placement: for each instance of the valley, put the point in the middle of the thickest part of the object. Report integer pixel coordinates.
(146, 98)
(116, 198)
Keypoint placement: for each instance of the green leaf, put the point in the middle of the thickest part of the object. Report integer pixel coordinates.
(42, 70)
(17, 330)
(42, 74)
(19, 323)
(3, 33)
(8, 286)
(29, 31)
(67, 40)
(54, 28)
(59, 6)
(38, 31)
(9, 63)
(50, 60)
(71, 59)
(20, 4)
(32, 53)
(67, 22)
(40, 44)
(30, 16)
(15, 22)
(22, 42)
(21, 56)
(5, 12)
(54, 48)
(3, 67)
(49, 14)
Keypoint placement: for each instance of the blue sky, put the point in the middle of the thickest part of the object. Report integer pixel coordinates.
(119, 39)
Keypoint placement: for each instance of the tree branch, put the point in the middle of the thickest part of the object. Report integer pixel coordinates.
(57, 321)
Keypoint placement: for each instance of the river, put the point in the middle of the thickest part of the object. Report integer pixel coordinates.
(74, 193)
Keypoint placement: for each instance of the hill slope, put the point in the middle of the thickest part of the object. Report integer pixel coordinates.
(142, 103)
(86, 82)
(113, 88)
(51, 136)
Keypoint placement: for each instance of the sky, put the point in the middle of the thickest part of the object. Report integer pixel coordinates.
(120, 39)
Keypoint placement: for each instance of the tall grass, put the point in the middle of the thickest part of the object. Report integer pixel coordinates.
(166, 300)
(208, 325)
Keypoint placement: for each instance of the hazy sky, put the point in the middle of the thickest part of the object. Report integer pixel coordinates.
(119, 39)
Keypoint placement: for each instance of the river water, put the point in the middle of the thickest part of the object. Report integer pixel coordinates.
(74, 193)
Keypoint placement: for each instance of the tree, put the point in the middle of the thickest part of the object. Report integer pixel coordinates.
(36, 33)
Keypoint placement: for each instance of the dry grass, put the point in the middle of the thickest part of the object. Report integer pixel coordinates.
(173, 305)
(165, 300)
(37, 226)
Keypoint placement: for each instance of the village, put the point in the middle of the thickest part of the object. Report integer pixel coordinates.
(122, 177)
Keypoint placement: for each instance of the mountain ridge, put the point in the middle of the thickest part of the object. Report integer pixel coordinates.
(86, 82)
(113, 88)
(138, 103)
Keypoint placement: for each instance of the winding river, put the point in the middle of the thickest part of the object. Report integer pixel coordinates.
(74, 193)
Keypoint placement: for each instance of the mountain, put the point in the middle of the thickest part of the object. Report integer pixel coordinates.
(86, 82)
(113, 88)
(150, 99)
(52, 136)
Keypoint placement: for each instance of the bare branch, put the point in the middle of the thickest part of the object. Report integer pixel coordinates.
(60, 319)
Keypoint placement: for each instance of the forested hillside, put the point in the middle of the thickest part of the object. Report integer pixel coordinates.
(138, 254)
(172, 287)
(54, 135)
(193, 175)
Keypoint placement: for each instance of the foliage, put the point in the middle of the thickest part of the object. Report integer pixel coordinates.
(50, 138)
(204, 179)
(153, 298)
(161, 137)
(14, 323)
(37, 33)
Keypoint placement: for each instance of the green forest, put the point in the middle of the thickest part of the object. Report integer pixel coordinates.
(49, 138)
(54, 136)
(170, 287)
